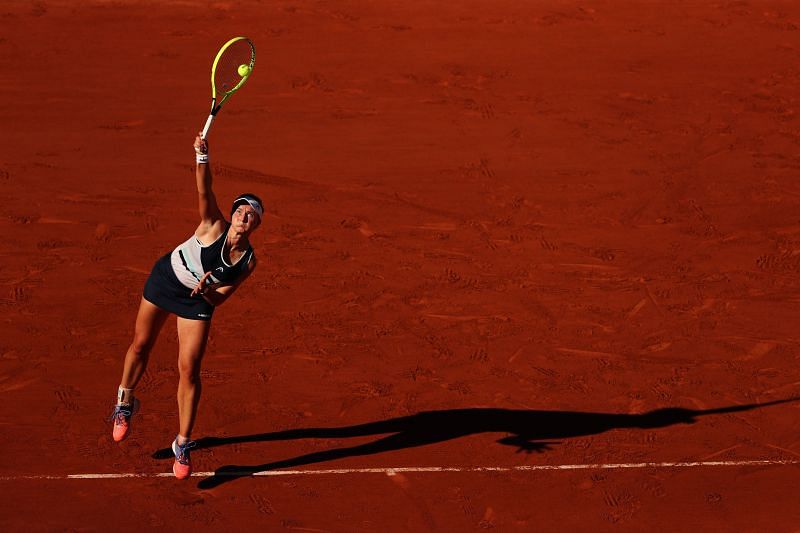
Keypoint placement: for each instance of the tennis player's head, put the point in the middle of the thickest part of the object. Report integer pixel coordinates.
(247, 211)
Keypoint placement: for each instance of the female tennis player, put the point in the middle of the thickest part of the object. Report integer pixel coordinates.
(190, 282)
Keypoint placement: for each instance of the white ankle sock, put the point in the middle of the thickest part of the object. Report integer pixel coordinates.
(124, 396)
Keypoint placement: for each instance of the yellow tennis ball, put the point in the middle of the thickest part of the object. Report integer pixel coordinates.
(244, 70)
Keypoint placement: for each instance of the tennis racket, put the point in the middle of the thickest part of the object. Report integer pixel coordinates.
(232, 66)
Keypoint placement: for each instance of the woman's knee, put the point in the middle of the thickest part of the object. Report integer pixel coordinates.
(189, 370)
(142, 344)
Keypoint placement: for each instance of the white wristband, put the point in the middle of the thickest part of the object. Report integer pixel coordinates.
(201, 158)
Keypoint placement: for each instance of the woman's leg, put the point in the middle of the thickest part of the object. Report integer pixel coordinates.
(192, 337)
(148, 325)
(149, 322)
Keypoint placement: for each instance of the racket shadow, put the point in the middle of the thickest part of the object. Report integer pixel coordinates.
(528, 431)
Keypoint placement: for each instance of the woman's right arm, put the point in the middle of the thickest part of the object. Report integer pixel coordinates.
(210, 213)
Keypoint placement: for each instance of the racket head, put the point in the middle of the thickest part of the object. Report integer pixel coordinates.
(225, 76)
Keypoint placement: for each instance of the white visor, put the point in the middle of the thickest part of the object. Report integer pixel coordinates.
(252, 203)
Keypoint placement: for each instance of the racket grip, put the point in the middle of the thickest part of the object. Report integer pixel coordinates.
(207, 126)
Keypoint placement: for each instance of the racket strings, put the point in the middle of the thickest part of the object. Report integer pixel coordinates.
(226, 75)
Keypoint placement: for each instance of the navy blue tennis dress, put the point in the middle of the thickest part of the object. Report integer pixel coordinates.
(177, 273)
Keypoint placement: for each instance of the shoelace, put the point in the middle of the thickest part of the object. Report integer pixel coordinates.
(120, 412)
(183, 452)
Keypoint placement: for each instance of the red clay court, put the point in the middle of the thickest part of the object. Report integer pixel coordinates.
(530, 266)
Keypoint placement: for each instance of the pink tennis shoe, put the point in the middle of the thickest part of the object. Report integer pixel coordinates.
(122, 420)
(182, 467)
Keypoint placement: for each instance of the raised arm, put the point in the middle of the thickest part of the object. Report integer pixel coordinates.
(210, 214)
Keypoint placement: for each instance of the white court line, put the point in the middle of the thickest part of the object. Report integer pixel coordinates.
(390, 471)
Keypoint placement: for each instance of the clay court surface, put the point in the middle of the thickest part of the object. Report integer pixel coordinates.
(501, 236)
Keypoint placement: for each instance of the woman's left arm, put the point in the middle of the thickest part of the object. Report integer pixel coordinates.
(217, 294)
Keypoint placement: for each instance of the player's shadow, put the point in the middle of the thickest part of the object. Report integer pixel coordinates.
(528, 431)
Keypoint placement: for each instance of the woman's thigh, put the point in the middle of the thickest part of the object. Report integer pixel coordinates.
(149, 321)
(192, 337)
